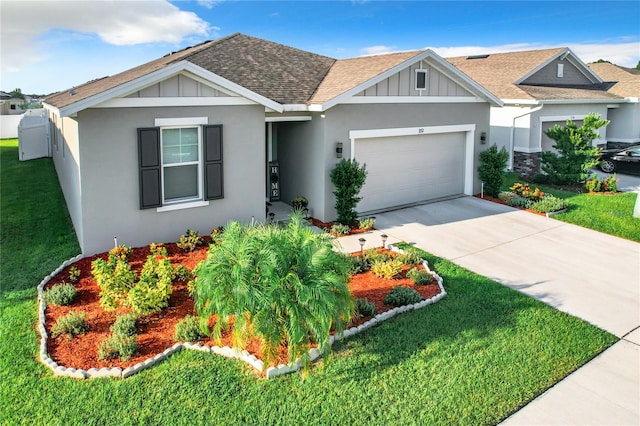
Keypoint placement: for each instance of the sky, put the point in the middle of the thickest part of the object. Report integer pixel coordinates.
(48, 46)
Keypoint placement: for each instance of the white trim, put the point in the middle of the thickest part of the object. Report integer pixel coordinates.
(567, 54)
(180, 206)
(426, 81)
(580, 101)
(527, 150)
(184, 121)
(163, 74)
(519, 102)
(562, 117)
(412, 99)
(288, 118)
(175, 101)
(469, 129)
(295, 107)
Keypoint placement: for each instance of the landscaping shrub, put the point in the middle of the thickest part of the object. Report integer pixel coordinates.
(524, 190)
(359, 265)
(576, 153)
(519, 202)
(189, 241)
(410, 257)
(122, 252)
(365, 308)
(348, 178)
(216, 234)
(340, 229)
(115, 278)
(125, 325)
(283, 285)
(183, 273)
(366, 223)
(188, 330)
(373, 255)
(491, 169)
(60, 294)
(419, 276)
(151, 293)
(71, 324)
(157, 249)
(549, 204)
(540, 178)
(299, 203)
(400, 296)
(606, 184)
(387, 269)
(506, 196)
(118, 346)
(74, 274)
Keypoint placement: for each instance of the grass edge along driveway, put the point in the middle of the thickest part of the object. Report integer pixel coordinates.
(473, 358)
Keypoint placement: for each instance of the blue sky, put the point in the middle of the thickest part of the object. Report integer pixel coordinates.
(48, 46)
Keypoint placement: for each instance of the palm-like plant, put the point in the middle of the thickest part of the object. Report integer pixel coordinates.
(282, 285)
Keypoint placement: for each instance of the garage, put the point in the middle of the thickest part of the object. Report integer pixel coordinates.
(422, 164)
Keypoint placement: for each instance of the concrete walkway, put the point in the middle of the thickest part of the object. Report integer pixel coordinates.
(585, 273)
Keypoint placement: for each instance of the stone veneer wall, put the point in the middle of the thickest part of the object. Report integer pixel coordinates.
(525, 163)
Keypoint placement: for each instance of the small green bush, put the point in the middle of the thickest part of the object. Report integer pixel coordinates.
(125, 325)
(74, 274)
(419, 276)
(549, 204)
(410, 257)
(540, 178)
(348, 178)
(606, 184)
(157, 249)
(400, 296)
(115, 278)
(70, 324)
(366, 223)
(151, 293)
(183, 273)
(519, 202)
(122, 252)
(389, 269)
(189, 241)
(359, 265)
(491, 169)
(506, 196)
(365, 308)
(188, 330)
(372, 255)
(340, 229)
(216, 235)
(60, 294)
(118, 346)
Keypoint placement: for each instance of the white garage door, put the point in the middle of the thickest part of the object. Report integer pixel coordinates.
(410, 169)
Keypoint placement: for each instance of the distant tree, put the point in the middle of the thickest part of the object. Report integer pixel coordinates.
(17, 93)
(600, 61)
(638, 66)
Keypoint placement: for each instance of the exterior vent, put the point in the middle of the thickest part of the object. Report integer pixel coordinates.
(477, 57)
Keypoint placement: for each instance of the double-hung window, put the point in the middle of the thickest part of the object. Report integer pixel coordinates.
(180, 163)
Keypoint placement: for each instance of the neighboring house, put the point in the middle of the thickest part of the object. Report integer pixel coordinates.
(10, 105)
(624, 129)
(539, 88)
(192, 140)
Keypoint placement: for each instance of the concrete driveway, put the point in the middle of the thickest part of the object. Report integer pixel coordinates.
(585, 273)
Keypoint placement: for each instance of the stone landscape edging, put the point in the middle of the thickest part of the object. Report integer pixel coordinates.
(225, 351)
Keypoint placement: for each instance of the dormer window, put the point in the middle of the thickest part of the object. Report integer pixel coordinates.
(421, 79)
(560, 70)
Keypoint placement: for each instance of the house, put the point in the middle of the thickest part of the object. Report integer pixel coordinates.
(539, 88)
(10, 105)
(624, 129)
(205, 135)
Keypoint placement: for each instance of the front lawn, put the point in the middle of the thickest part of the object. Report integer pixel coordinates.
(608, 213)
(473, 358)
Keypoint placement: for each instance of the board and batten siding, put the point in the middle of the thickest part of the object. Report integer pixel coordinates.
(403, 84)
(549, 75)
(180, 86)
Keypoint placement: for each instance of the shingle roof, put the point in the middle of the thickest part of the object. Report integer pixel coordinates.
(345, 74)
(499, 71)
(627, 80)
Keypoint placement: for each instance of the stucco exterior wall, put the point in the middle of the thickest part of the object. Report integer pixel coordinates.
(109, 171)
(625, 123)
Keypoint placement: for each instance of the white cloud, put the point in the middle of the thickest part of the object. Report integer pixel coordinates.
(625, 54)
(209, 4)
(24, 23)
(376, 50)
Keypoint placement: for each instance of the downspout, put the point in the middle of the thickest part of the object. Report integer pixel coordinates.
(513, 132)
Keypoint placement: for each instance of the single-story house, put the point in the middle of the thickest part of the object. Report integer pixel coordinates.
(539, 88)
(624, 129)
(205, 135)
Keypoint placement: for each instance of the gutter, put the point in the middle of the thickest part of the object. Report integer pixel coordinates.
(513, 131)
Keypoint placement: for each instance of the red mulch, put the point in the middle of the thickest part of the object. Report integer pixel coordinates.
(155, 332)
(327, 227)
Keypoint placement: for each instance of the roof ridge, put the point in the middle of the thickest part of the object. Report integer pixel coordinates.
(510, 52)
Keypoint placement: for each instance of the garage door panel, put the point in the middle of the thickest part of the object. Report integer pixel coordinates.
(408, 169)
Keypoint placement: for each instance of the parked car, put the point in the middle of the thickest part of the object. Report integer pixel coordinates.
(623, 160)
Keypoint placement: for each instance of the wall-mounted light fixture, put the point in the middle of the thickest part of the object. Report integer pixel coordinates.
(338, 149)
(483, 137)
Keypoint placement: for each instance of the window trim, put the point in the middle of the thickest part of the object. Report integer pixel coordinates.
(426, 76)
(163, 166)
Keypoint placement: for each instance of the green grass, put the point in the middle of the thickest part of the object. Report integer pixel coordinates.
(611, 214)
(473, 358)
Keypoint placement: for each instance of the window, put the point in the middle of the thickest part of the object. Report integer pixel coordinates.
(421, 79)
(179, 163)
(560, 73)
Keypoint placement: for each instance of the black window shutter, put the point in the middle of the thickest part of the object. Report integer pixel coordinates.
(213, 173)
(149, 162)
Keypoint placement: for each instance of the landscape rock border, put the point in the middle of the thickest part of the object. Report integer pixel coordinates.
(226, 351)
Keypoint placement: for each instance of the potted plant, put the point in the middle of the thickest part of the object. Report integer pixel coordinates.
(299, 203)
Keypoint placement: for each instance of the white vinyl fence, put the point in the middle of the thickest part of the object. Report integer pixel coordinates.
(9, 126)
(33, 135)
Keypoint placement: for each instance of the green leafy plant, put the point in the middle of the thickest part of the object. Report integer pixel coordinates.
(348, 178)
(284, 285)
(157, 249)
(400, 296)
(71, 324)
(524, 190)
(299, 203)
(189, 241)
(606, 184)
(491, 169)
(410, 257)
(389, 269)
(115, 278)
(188, 330)
(125, 325)
(373, 255)
(366, 223)
(419, 276)
(60, 294)
(118, 346)
(216, 234)
(151, 293)
(506, 195)
(365, 308)
(359, 265)
(339, 229)
(549, 204)
(183, 273)
(74, 274)
(122, 252)
(576, 153)
(523, 203)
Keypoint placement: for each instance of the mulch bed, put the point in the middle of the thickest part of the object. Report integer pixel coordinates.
(328, 225)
